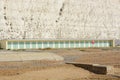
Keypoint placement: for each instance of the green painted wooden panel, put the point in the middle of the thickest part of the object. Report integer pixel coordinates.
(87, 44)
(90, 42)
(9, 45)
(15, 45)
(76, 44)
(51, 44)
(103, 43)
(106, 44)
(96, 44)
(82, 44)
(100, 43)
(48, 44)
(66, 44)
(61, 44)
(72, 44)
(39, 44)
(27, 44)
(33, 44)
(56, 44)
(45, 44)
(21, 45)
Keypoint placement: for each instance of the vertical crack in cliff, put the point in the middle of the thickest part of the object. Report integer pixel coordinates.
(28, 20)
(61, 11)
(86, 16)
(5, 7)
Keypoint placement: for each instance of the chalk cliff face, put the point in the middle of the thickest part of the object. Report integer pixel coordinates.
(77, 19)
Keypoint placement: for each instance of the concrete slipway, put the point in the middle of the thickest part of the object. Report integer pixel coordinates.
(30, 56)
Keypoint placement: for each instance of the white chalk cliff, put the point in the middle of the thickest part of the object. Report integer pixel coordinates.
(77, 19)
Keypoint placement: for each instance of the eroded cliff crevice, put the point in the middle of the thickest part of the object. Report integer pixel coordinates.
(61, 11)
